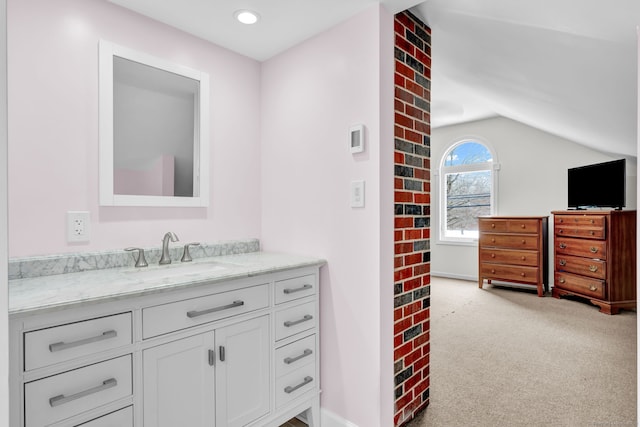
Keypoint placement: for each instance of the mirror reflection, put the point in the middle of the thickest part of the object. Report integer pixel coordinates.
(153, 118)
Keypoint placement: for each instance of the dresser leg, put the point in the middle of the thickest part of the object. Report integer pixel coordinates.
(480, 282)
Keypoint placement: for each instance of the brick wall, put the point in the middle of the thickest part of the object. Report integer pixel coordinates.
(412, 215)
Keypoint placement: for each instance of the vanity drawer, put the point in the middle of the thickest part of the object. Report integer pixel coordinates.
(296, 288)
(65, 342)
(295, 319)
(121, 418)
(295, 384)
(174, 316)
(61, 396)
(295, 355)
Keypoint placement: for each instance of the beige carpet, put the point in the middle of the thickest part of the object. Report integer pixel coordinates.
(505, 357)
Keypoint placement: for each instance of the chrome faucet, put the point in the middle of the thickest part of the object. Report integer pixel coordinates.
(165, 258)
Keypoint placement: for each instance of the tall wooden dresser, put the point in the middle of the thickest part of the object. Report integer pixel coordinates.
(595, 257)
(514, 249)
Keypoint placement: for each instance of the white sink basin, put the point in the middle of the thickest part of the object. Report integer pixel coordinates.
(176, 270)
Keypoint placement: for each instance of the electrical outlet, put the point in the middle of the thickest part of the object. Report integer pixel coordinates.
(78, 226)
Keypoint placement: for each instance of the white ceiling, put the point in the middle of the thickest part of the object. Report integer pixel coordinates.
(567, 67)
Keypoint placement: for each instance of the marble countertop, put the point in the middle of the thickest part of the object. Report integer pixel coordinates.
(66, 290)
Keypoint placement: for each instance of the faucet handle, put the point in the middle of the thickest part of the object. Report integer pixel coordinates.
(140, 259)
(186, 256)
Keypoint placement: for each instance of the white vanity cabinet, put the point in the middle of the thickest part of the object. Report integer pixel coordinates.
(227, 353)
(221, 375)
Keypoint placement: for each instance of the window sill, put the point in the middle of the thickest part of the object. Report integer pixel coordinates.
(471, 242)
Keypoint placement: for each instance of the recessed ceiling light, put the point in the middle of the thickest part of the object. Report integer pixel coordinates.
(246, 16)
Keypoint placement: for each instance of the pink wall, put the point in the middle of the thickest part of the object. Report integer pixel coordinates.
(53, 130)
(311, 94)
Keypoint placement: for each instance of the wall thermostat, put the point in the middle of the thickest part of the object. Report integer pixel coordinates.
(356, 138)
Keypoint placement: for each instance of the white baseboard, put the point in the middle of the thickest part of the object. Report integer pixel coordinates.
(329, 419)
(454, 276)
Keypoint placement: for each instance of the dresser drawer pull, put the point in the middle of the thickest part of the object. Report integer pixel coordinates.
(562, 245)
(562, 280)
(562, 262)
(301, 288)
(522, 274)
(523, 226)
(290, 389)
(560, 231)
(592, 232)
(290, 323)
(62, 399)
(493, 225)
(524, 241)
(593, 268)
(66, 345)
(593, 288)
(593, 250)
(290, 360)
(195, 313)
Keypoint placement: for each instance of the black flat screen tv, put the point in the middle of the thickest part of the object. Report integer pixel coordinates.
(600, 185)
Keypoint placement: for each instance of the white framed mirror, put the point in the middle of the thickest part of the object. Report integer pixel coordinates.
(154, 130)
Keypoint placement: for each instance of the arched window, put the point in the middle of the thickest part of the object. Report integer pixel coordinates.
(468, 181)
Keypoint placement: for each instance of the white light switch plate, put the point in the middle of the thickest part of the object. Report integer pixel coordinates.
(357, 194)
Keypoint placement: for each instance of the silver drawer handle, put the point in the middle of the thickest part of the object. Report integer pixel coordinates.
(290, 323)
(290, 360)
(195, 313)
(290, 389)
(62, 399)
(302, 288)
(66, 345)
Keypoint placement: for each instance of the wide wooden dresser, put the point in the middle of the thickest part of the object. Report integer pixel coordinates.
(595, 257)
(514, 249)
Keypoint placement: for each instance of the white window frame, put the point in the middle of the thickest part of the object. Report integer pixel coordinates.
(492, 166)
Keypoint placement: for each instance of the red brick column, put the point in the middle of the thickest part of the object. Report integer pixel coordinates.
(412, 215)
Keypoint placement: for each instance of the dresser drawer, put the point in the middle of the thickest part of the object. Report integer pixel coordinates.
(179, 315)
(581, 285)
(295, 384)
(65, 342)
(512, 241)
(295, 319)
(70, 393)
(581, 247)
(580, 220)
(121, 418)
(583, 266)
(509, 256)
(509, 272)
(296, 288)
(511, 225)
(591, 226)
(496, 225)
(295, 355)
(584, 232)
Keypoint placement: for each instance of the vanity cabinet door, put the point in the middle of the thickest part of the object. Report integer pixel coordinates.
(242, 372)
(178, 386)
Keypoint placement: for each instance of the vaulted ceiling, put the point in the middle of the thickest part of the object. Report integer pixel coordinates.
(567, 67)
